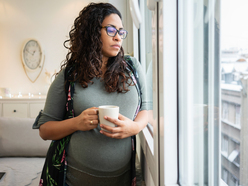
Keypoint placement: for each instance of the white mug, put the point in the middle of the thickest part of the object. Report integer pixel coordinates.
(108, 110)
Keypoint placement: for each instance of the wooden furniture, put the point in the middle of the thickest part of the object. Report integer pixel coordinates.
(21, 107)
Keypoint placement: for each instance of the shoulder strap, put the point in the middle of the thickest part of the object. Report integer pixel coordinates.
(132, 68)
(67, 77)
(135, 77)
(69, 91)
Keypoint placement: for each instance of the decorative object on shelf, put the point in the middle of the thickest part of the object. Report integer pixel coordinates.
(4, 92)
(32, 59)
(50, 76)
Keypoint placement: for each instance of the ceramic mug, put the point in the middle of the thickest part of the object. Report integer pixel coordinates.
(110, 111)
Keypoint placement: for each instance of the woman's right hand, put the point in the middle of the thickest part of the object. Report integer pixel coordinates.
(88, 119)
(54, 130)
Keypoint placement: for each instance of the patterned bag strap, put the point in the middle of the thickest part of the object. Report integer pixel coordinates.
(69, 91)
(135, 77)
(55, 166)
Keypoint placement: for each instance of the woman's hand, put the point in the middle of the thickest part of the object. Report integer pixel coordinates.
(88, 119)
(124, 127)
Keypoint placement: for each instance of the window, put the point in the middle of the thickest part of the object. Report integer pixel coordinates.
(147, 48)
(224, 110)
(232, 112)
(234, 152)
(233, 181)
(223, 77)
(224, 145)
(237, 160)
(158, 55)
(210, 108)
(234, 81)
(199, 101)
(234, 45)
(147, 55)
(224, 175)
(238, 109)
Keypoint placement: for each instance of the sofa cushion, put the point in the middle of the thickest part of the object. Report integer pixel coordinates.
(20, 171)
(17, 138)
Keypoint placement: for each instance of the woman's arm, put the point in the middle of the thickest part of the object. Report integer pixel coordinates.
(124, 126)
(141, 120)
(55, 130)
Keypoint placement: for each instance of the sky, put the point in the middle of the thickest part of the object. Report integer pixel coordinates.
(234, 24)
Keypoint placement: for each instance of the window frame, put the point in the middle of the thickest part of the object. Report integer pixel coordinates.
(163, 166)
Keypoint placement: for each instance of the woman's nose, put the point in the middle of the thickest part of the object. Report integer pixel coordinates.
(117, 37)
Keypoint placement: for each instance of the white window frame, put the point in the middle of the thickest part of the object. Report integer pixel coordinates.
(163, 164)
(148, 141)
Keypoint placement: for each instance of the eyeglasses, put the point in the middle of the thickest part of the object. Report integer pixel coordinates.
(112, 31)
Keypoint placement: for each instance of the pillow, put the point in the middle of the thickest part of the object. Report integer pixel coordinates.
(17, 138)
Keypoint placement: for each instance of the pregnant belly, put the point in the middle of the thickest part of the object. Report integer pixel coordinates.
(94, 153)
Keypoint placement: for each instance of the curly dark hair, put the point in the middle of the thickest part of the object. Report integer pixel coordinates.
(85, 50)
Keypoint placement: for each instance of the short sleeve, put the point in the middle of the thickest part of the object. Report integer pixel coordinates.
(54, 109)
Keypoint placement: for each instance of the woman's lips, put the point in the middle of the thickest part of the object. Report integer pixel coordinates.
(116, 46)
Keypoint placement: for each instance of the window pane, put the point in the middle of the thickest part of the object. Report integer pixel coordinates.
(147, 49)
(234, 54)
(147, 54)
(199, 102)
(149, 69)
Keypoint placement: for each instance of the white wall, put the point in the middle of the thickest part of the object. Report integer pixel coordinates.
(47, 21)
(123, 7)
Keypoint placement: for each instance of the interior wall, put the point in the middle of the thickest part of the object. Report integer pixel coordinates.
(123, 7)
(47, 21)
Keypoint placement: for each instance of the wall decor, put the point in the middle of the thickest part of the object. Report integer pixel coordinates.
(33, 59)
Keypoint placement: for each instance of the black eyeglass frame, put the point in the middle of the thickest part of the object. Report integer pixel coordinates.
(115, 32)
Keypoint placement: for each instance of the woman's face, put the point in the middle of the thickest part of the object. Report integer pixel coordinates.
(111, 45)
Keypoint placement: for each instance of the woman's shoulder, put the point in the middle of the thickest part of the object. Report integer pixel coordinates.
(59, 77)
(61, 74)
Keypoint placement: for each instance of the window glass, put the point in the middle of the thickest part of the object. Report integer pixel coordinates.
(234, 64)
(199, 103)
(147, 49)
(147, 56)
(149, 33)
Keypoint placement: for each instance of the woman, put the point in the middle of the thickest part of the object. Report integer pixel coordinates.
(96, 157)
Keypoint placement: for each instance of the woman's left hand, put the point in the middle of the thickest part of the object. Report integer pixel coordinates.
(124, 127)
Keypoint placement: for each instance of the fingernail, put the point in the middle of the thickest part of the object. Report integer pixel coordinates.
(105, 117)
(101, 131)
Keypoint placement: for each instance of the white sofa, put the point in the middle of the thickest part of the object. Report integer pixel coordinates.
(22, 152)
